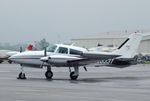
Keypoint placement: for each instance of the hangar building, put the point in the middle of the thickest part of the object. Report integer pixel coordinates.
(111, 40)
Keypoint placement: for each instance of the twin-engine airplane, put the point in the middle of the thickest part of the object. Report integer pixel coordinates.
(71, 56)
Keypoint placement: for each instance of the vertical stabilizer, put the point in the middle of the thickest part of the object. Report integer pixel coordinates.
(130, 46)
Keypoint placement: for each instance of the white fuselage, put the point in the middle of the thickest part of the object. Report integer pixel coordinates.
(33, 58)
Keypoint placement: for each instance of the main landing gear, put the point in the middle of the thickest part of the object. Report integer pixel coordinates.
(48, 73)
(74, 75)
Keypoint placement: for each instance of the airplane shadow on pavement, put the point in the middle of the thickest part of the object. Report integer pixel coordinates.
(90, 80)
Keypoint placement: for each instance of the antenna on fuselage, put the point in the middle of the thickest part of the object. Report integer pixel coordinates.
(72, 44)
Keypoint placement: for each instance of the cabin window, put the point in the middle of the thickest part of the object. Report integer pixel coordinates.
(51, 48)
(75, 52)
(62, 50)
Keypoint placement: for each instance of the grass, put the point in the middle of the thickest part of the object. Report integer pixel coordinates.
(147, 62)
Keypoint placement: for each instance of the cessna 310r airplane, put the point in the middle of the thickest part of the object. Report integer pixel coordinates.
(60, 55)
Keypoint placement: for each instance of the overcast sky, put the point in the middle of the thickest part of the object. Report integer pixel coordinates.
(31, 20)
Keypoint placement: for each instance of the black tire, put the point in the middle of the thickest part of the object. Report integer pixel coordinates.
(72, 76)
(21, 76)
(1, 61)
(48, 74)
(9, 61)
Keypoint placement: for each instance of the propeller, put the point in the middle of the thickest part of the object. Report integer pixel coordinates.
(44, 59)
(20, 49)
(85, 68)
(45, 52)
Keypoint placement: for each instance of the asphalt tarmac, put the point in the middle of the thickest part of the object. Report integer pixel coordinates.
(98, 84)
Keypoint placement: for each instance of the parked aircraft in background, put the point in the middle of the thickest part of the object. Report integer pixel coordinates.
(102, 49)
(5, 54)
(71, 56)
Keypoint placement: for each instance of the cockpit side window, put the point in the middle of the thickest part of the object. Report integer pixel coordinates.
(75, 52)
(51, 48)
(62, 50)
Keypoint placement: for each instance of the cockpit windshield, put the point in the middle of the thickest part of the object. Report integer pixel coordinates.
(51, 48)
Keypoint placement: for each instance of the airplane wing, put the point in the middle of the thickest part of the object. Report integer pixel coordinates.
(89, 57)
(99, 55)
(78, 60)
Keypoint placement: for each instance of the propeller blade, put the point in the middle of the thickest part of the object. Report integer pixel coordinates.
(44, 59)
(20, 49)
(45, 52)
(85, 68)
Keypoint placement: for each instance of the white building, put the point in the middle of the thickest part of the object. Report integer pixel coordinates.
(108, 39)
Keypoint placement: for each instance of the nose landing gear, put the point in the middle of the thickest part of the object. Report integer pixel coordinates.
(21, 74)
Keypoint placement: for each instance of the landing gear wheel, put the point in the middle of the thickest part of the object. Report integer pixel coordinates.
(49, 74)
(1, 61)
(21, 76)
(72, 76)
(9, 62)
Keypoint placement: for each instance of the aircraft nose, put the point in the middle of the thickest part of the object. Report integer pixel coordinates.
(12, 58)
